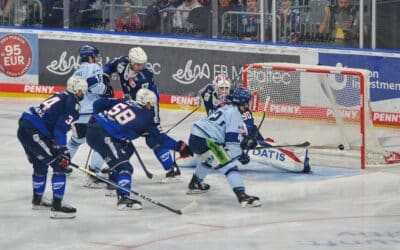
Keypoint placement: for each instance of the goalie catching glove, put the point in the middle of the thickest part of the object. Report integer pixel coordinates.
(184, 150)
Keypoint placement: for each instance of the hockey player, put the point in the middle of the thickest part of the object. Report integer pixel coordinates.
(216, 142)
(117, 123)
(42, 132)
(213, 95)
(134, 76)
(90, 70)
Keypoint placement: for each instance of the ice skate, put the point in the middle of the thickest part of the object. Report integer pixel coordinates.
(126, 203)
(94, 182)
(40, 203)
(197, 187)
(247, 200)
(173, 175)
(62, 211)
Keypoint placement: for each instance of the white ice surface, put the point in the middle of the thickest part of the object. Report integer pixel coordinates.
(341, 210)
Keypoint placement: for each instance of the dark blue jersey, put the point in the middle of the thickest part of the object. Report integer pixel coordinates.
(212, 103)
(54, 116)
(210, 98)
(127, 120)
(130, 82)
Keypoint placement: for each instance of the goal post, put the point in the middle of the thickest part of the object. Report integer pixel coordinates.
(337, 99)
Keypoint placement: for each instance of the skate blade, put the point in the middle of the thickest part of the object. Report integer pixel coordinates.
(94, 186)
(40, 207)
(254, 204)
(196, 191)
(60, 215)
(134, 207)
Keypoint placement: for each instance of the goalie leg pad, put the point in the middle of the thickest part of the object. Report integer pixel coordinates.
(283, 159)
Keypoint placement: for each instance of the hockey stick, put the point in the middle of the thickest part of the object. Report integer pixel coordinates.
(159, 177)
(261, 122)
(299, 145)
(181, 120)
(182, 211)
(87, 159)
(149, 175)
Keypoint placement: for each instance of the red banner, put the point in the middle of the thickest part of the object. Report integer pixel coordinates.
(273, 110)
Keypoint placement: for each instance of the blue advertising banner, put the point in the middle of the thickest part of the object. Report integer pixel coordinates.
(385, 80)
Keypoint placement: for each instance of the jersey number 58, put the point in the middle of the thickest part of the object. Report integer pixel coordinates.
(121, 113)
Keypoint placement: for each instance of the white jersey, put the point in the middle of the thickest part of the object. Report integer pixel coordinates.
(224, 126)
(93, 74)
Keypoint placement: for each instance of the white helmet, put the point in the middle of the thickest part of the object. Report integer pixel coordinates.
(137, 55)
(76, 83)
(144, 96)
(222, 81)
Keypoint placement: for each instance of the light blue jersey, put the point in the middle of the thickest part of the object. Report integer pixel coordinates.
(224, 126)
(93, 74)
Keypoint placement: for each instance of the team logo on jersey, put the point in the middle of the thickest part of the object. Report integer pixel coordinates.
(131, 82)
(15, 54)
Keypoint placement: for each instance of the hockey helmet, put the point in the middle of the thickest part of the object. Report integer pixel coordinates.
(239, 96)
(137, 55)
(76, 84)
(86, 51)
(144, 96)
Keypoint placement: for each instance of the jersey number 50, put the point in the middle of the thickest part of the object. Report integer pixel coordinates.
(121, 113)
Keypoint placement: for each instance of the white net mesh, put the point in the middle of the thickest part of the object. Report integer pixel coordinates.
(322, 105)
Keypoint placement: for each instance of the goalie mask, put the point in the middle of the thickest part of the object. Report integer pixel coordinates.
(145, 96)
(222, 85)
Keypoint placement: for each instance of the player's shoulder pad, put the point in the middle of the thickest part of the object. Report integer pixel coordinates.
(148, 70)
(148, 73)
(122, 63)
(71, 103)
(210, 87)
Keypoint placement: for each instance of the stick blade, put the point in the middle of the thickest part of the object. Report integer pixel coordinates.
(188, 208)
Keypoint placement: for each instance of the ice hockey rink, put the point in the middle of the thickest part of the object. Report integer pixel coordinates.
(332, 208)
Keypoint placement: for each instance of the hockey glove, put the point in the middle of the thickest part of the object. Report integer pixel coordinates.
(128, 147)
(63, 157)
(184, 150)
(109, 92)
(248, 143)
(244, 158)
(106, 79)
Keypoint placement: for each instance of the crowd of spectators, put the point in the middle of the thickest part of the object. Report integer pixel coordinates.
(237, 19)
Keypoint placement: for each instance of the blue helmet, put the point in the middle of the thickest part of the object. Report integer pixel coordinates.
(239, 96)
(87, 50)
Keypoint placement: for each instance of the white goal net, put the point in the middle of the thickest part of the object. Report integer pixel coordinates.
(327, 106)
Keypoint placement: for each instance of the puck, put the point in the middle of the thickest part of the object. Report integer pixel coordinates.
(341, 147)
